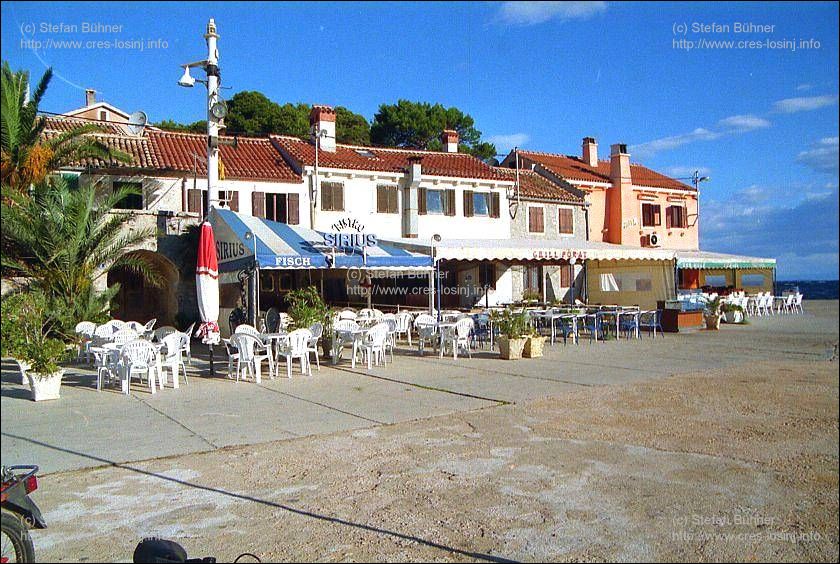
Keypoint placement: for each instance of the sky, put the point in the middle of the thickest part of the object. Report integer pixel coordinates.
(747, 93)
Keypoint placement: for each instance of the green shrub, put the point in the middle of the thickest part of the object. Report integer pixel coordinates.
(512, 325)
(531, 296)
(306, 306)
(29, 331)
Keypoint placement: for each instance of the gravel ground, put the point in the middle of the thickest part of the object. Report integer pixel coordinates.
(735, 464)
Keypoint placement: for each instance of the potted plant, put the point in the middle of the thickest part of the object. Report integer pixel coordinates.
(531, 297)
(533, 345)
(712, 314)
(12, 339)
(512, 331)
(732, 313)
(44, 374)
(307, 307)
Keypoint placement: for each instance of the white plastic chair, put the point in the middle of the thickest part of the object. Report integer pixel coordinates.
(373, 344)
(797, 303)
(248, 330)
(139, 357)
(173, 345)
(458, 337)
(135, 326)
(284, 321)
(84, 330)
(404, 320)
(317, 329)
(162, 332)
(426, 330)
(124, 336)
(347, 314)
(345, 333)
(250, 353)
(296, 346)
(186, 344)
(391, 338)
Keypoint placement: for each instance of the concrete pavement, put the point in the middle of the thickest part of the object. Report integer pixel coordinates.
(86, 428)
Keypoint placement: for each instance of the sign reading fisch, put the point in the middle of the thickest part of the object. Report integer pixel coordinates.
(293, 261)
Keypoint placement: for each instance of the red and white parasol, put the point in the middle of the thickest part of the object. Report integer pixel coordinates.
(207, 285)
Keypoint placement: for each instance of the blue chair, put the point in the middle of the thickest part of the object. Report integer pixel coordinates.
(592, 325)
(481, 328)
(567, 327)
(629, 325)
(651, 321)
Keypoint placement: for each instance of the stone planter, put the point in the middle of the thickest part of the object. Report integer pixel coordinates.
(23, 366)
(733, 316)
(511, 349)
(533, 347)
(713, 322)
(45, 387)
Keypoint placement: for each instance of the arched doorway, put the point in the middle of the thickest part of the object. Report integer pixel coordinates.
(136, 300)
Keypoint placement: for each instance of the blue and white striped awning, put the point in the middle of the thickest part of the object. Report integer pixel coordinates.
(282, 246)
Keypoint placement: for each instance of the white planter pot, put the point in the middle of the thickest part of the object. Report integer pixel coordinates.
(23, 366)
(45, 387)
(733, 316)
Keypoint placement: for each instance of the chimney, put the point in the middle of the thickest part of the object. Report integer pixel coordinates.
(411, 197)
(449, 138)
(90, 97)
(590, 151)
(322, 122)
(620, 199)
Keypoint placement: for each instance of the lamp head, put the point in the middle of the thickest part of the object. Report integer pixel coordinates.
(436, 238)
(186, 80)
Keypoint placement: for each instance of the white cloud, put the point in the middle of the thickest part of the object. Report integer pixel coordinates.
(666, 143)
(509, 141)
(822, 156)
(803, 104)
(532, 13)
(804, 87)
(743, 123)
(687, 171)
(731, 125)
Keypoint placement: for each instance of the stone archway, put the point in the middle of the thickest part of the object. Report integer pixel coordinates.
(136, 300)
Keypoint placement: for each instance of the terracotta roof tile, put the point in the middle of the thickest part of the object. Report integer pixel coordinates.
(573, 168)
(249, 159)
(387, 159)
(532, 185)
(64, 124)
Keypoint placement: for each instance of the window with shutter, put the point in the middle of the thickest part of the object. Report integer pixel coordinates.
(566, 276)
(566, 221)
(258, 204)
(494, 204)
(386, 199)
(468, 203)
(293, 209)
(421, 201)
(676, 217)
(535, 220)
(332, 196)
(651, 215)
(449, 207)
(195, 200)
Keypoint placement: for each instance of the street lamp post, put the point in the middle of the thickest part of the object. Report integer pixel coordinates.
(216, 109)
(254, 306)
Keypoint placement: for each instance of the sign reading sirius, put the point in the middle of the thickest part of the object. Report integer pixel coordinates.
(344, 240)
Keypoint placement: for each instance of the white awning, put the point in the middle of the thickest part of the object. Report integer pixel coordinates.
(531, 249)
(710, 260)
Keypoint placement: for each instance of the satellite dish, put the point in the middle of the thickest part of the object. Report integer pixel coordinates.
(137, 122)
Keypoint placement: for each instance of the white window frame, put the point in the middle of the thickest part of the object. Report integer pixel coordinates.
(442, 211)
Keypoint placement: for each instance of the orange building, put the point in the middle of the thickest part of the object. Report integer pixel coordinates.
(628, 204)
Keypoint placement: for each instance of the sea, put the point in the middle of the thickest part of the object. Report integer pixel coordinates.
(811, 289)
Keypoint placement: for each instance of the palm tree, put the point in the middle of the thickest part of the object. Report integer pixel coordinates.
(61, 240)
(26, 155)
